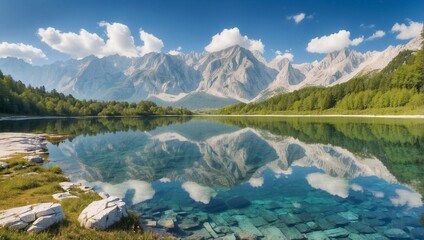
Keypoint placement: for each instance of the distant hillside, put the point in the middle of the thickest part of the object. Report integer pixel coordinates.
(16, 98)
(398, 88)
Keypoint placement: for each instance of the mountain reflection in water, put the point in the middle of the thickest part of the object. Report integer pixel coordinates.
(286, 172)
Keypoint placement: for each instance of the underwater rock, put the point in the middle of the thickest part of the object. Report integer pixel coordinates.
(417, 232)
(269, 217)
(246, 236)
(199, 235)
(246, 226)
(230, 220)
(361, 227)
(303, 228)
(166, 223)
(337, 233)
(215, 206)
(291, 232)
(290, 219)
(272, 232)
(272, 206)
(351, 216)
(208, 228)
(305, 217)
(159, 208)
(374, 222)
(238, 202)
(189, 223)
(228, 237)
(258, 221)
(312, 225)
(318, 235)
(338, 220)
(222, 229)
(396, 233)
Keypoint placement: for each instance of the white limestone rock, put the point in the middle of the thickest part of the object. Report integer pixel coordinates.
(103, 195)
(4, 165)
(35, 159)
(67, 185)
(36, 217)
(103, 213)
(61, 196)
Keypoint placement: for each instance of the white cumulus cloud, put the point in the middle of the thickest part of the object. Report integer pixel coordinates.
(175, 52)
(119, 41)
(407, 31)
(231, 37)
(151, 43)
(21, 51)
(77, 45)
(298, 17)
(357, 41)
(333, 42)
(377, 34)
(281, 55)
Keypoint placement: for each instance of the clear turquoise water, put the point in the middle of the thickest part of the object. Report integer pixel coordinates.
(274, 178)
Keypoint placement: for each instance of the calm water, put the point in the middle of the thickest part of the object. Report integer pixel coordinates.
(278, 178)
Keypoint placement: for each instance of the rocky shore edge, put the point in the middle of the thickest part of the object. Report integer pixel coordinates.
(29, 151)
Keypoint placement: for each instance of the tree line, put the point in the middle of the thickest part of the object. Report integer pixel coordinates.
(17, 98)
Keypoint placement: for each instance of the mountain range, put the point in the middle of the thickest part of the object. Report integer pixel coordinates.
(197, 80)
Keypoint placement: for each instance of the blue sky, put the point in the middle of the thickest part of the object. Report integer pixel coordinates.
(191, 24)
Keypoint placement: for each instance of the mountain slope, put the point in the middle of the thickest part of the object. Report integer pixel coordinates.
(234, 72)
(397, 88)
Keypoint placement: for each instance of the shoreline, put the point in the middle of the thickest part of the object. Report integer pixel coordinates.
(317, 115)
(42, 183)
(19, 118)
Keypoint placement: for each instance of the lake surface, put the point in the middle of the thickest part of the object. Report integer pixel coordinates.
(276, 178)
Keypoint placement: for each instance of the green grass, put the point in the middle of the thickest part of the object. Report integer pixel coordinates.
(26, 183)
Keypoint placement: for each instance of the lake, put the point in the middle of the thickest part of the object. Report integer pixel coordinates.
(273, 177)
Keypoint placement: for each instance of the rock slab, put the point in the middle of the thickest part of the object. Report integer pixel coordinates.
(32, 218)
(103, 213)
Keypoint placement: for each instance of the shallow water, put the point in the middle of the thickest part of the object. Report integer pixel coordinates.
(276, 178)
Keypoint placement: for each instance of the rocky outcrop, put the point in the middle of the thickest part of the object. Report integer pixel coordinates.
(4, 165)
(103, 213)
(61, 196)
(35, 159)
(32, 218)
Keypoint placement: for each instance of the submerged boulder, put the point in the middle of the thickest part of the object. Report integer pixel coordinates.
(32, 218)
(238, 202)
(103, 213)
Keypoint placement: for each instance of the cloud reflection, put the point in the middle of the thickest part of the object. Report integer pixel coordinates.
(405, 197)
(198, 192)
(142, 190)
(333, 185)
